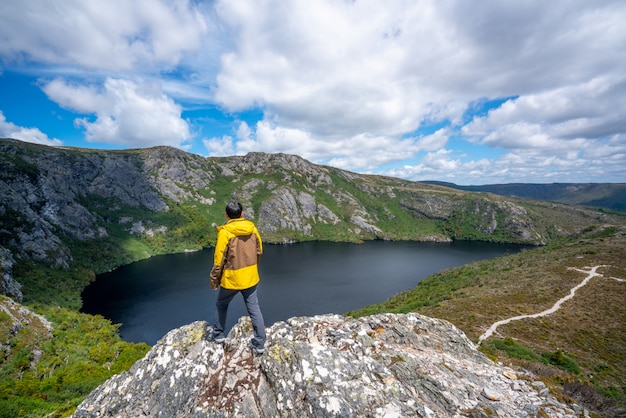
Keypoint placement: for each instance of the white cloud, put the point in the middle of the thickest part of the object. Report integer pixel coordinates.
(346, 82)
(101, 35)
(220, 147)
(563, 133)
(10, 130)
(530, 166)
(591, 110)
(126, 112)
(360, 152)
(381, 67)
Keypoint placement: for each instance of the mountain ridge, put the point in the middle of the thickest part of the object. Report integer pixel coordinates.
(603, 195)
(163, 199)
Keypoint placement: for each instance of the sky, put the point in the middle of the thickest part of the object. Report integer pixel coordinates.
(468, 92)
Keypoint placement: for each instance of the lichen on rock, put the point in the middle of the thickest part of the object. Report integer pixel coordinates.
(388, 365)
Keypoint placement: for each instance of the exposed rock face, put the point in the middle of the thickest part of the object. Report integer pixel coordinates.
(16, 318)
(8, 285)
(45, 191)
(324, 366)
(301, 207)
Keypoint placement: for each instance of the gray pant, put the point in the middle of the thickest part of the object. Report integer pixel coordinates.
(224, 297)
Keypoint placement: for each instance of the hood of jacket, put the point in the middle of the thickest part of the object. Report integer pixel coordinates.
(238, 226)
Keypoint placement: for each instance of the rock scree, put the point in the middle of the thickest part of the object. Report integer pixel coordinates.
(388, 365)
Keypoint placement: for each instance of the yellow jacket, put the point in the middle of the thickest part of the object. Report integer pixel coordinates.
(237, 254)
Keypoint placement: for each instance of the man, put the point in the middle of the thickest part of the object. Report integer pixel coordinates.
(235, 270)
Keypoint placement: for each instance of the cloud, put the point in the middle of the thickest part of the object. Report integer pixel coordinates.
(590, 110)
(347, 82)
(126, 112)
(383, 67)
(336, 73)
(569, 131)
(523, 165)
(10, 130)
(360, 152)
(111, 35)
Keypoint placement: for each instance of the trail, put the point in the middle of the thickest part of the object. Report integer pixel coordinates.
(591, 273)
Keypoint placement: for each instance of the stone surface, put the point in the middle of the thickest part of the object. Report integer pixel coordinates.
(8, 285)
(324, 366)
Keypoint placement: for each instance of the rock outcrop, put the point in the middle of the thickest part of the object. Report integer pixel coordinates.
(14, 319)
(8, 285)
(324, 366)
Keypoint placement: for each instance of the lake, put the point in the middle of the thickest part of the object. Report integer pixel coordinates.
(151, 297)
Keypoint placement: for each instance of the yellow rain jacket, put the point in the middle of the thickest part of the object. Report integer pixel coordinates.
(237, 254)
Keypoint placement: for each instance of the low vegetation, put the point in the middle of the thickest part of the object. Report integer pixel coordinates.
(48, 373)
(579, 350)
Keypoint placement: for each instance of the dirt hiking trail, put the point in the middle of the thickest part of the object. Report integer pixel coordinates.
(591, 273)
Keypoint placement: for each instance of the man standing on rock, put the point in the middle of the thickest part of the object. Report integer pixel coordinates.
(235, 270)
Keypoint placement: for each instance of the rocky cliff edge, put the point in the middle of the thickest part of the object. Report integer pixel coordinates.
(324, 366)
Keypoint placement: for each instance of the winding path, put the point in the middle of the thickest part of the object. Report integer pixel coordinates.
(590, 274)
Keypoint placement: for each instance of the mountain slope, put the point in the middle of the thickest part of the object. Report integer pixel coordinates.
(603, 195)
(96, 210)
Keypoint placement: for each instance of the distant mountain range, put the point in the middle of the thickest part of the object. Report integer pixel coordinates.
(602, 195)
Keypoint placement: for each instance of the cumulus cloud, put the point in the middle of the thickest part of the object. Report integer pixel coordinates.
(586, 110)
(100, 35)
(362, 151)
(383, 67)
(34, 135)
(126, 112)
(347, 82)
(338, 72)
(529, 166)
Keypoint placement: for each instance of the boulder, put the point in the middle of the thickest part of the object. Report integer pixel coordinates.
(389, 365)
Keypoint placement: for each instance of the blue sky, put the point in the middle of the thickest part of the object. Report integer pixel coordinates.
(466, 92)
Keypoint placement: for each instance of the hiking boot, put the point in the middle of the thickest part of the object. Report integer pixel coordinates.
(255, 348)
(218, 340)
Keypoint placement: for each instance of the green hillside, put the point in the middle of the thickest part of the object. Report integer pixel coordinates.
(579, 349)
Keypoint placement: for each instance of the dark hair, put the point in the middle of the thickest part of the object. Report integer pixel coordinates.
(234, 210)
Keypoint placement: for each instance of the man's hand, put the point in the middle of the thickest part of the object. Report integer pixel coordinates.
(215, 276)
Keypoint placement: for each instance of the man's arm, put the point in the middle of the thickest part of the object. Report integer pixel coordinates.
(216, 276)
(259, 246)
(218, 260)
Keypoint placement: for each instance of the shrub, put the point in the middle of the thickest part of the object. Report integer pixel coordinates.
(517, 350)
(561, 361)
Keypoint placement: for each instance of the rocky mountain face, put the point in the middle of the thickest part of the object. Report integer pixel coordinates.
(56, 199)
(324, 366)
(18, 317)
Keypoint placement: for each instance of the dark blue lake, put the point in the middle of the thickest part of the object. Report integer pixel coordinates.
(153, 296)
